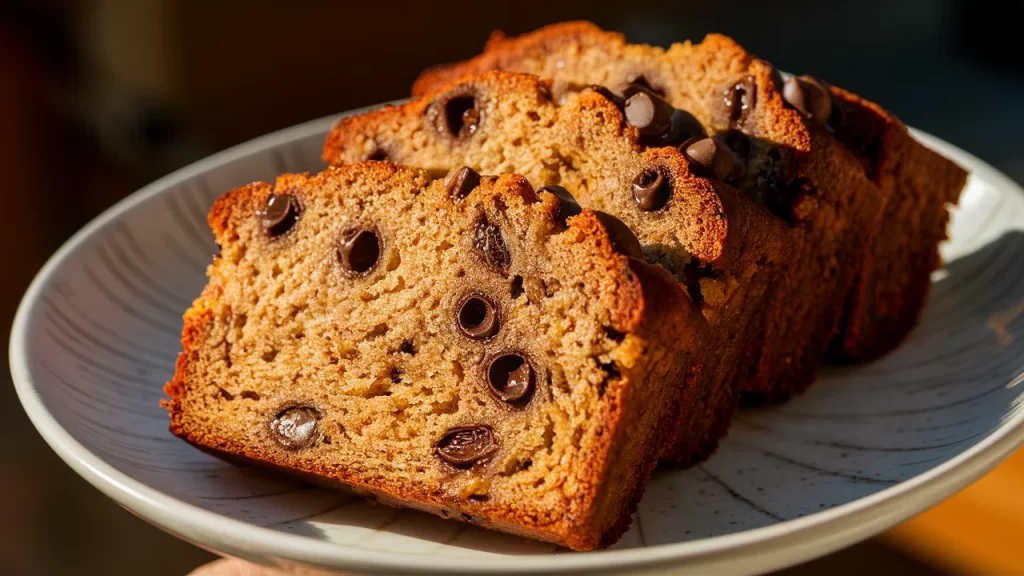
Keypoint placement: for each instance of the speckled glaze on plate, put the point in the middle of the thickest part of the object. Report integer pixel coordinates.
(97, 334)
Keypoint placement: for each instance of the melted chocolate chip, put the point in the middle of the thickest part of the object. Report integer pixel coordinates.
(280, 214)
(710, 157)
(511, 376)
(651, 190)
(567, 205)
(660, 124)
(487, 239)
(295, 427)
(622, 238)
(462, 182)
(809, 98)
(466, 445)
(478, 316)
(650, 114)
(739, 100)
(457, 115)
(359, 250)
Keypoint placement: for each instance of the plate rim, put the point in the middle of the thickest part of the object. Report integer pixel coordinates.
(765, 548)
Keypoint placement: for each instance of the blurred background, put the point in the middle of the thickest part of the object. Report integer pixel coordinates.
(100, 97)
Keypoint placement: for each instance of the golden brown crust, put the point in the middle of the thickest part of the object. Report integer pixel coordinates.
(586, 145)
(222, 399)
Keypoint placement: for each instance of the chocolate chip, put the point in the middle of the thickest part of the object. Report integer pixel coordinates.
(659, 122)
(650, 114)
(650, 190)
(739, 100)
(710, 157)
(622, 238)
(280, 214)
(567, 205)
(359, 250)
(457, 115)
(511, 376)
(809, 97)
(487, 239)
(295, 427)
(466, 445)
(462, 182)
(478, 316)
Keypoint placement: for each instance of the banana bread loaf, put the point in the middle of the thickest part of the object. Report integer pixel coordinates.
(727, 250)
(915, 184)
(467, 351)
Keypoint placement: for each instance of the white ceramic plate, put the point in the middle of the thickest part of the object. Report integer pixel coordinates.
(97, 335)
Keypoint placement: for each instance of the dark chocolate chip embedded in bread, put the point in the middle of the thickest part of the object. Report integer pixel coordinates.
(617, 152)
(480, 355)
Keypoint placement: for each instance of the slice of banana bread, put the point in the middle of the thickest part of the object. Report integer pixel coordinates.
(727, 250)
(462, 350)
(916, 184)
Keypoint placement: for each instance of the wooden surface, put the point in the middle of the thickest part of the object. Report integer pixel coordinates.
(978, 531)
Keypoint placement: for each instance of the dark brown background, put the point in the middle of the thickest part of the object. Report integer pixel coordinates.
(99, 97)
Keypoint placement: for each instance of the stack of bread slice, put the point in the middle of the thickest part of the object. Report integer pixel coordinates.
(564, 260)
